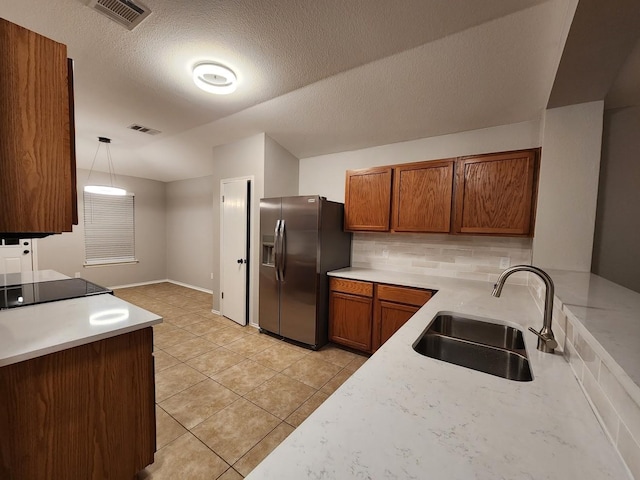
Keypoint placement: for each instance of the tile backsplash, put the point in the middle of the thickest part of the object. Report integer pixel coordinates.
(469, 257)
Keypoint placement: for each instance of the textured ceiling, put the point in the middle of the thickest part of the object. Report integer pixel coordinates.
(317, 76)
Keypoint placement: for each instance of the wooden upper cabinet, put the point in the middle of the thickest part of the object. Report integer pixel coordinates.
(37, 172)
(495, 194)
(422, 196)
(368, 199)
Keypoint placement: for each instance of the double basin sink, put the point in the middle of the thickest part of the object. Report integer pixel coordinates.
(477, 344)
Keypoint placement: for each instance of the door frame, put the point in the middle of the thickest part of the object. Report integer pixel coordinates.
(251, 258)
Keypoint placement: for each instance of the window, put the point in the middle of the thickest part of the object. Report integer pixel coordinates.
(109, 235)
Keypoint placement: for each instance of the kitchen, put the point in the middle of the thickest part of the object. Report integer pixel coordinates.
(190, 258)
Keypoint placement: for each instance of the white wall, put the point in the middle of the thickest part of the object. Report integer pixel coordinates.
(239, 159)
(325, 175)
(65, 253)
(281, 170)
(615, 249)
(189, 231)
(568, 187)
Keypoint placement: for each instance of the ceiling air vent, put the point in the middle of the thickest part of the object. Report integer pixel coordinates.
(142, 129)
(125, 12)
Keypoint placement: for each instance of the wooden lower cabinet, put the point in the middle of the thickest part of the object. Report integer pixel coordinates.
(364, 315)
(350, 315)
(87, 412)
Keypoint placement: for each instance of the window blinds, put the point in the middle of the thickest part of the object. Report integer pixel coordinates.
(109, 235)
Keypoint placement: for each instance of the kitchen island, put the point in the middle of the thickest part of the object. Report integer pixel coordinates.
(406, 416)
(76, 389)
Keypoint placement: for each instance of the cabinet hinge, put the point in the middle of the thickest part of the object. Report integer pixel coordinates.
(222, 198)
(222, 293)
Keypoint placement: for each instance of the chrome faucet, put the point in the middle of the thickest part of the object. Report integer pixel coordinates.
(546, 341)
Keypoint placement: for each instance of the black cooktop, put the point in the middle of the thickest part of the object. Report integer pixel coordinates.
(13, 296)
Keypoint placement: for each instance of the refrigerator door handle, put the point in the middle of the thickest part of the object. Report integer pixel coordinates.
(283, 248)
(276, 246)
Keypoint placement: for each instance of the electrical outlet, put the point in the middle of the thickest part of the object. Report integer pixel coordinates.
(505, 262)
(211, 275)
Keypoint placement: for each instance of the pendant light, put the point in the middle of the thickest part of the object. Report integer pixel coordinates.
(104, 189)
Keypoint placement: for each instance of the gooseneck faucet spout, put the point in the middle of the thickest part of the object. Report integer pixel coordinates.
(546, 341)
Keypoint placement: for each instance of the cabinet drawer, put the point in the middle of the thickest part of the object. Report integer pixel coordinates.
(354, 287)
(406, 295)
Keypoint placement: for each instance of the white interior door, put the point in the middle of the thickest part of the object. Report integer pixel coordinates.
(233, 251)
(16, 256)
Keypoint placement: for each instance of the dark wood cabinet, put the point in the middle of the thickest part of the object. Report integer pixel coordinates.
(37, 163)
(350, 311)
(495, 193)
(368, 199)
(364, 315)
(422, 194)
(394, 305)
(86, 412)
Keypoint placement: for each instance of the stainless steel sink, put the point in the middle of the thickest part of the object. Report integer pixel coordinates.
(493, 334)
(480, 345)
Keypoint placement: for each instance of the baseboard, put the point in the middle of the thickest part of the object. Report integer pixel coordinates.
(140, 284)
(216, 312)
(182, 284)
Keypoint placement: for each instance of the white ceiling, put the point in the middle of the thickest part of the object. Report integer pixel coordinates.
(316, 76)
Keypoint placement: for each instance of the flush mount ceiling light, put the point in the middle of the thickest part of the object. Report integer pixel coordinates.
(104, 189)
(214, 78)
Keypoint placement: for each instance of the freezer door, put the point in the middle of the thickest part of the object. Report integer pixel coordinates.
(299, 286)
(269, 287)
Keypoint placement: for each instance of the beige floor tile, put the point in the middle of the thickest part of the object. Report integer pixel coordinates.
(208, 325)
(167, 428)
(333, 384)
(225, 335)
(215, 361)
(312, 371)
(197, 403)
(166, 310)
(166, 339)
(249, 345)
(175, 379)
(163, 327)
(332, 354)
(185, 318)
(185, 458)
(357, 362)
(278, 357)
(179, 300)
(244, 377)
(191, 348)
(230, 474)
(258, 453)
(306, 409)
(233, 431)
(280, 395)
(162, 360)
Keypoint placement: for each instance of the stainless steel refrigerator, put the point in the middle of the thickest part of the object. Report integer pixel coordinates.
(301, 238)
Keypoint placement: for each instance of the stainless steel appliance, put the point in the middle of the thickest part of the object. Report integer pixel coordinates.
(301, 238)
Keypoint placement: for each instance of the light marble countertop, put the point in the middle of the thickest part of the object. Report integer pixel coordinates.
(34, 330)
(610, 313)
(406, 416)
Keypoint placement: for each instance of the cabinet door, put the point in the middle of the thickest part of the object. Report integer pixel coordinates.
(35, 144)
(350, 320)
(367, 203)
(495, 194)
(392, 317)
(422, 197)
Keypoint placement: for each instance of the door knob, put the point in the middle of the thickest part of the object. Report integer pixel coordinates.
(239, 260)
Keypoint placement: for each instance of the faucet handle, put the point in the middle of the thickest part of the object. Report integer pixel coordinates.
(546, 339)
